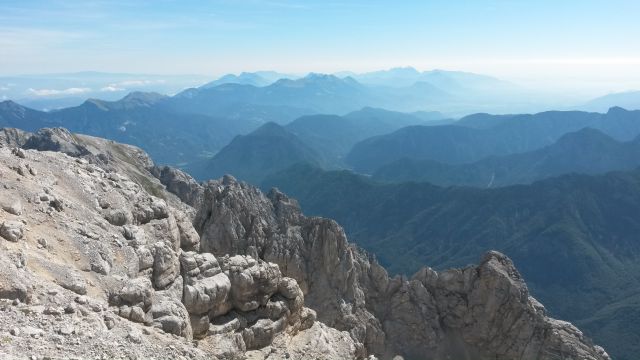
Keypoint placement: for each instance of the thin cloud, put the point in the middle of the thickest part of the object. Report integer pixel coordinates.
(123, 85)
(112, 88)
(54, 92)
(139, 82)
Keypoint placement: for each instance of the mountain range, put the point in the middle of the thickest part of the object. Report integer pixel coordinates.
(321, 140)
(136, 119)
(478, 136)
(587, 151)
(251, 157)
(628, 100)
(448, 81)
(56, 91)
(258, 78)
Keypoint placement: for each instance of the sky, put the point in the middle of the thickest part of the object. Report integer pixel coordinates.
(572, 44)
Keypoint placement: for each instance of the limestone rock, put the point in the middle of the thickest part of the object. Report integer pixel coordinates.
(480, 312)
(13, 138)
(172, 317)
(12, 230)
(179, 183)
(56, 139)
(12, 206)
(166, 266)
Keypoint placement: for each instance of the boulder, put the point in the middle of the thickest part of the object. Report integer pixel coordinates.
(12, 230)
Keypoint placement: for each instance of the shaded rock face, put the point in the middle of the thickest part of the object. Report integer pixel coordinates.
(55, 139)
(479, 312)
(180, 184)
(13, 138)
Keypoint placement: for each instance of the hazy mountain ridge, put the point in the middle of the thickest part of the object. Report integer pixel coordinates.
(251, 157)
(483, 135)
(258, 79)
(169, 137)
(56, 91)
(587, 151)
(322, 140)
(628, 100)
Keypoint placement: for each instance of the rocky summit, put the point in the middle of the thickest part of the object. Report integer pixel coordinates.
(105, 255)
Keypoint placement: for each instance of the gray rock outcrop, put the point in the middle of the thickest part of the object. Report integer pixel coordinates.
(180, 184)
(56, 139)
(93, 248)
(479, 312)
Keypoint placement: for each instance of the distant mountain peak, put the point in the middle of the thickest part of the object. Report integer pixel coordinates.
(406, 70)
(270, 129)
(131, 100)
(146, 98)
(10, 104)
(95, 103)
(322, 77)
(617, 110)
(318, 79)
(258, 79)
(585, 136)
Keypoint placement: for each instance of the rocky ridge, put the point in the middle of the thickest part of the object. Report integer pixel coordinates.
(478, 312)
(100, 259)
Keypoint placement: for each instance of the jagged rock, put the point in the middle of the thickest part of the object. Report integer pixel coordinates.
(189, 237)
(145, 258)
(12, 206)
(13, 289)
(166, 265)
(74, 283)
(206, 289)
(172, 317)
(289, 288)
(252, 282)
(12, 230)
(155, 209)
(163, 230)
(13, 138)
(57, 204)
(56, 139)
(208, 295)
(482, 312)
(180, 184)
(136, 292)
(19, 153)
(117, 217)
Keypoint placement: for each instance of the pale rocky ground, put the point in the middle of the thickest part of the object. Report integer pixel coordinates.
(99, 260)
(93, 266)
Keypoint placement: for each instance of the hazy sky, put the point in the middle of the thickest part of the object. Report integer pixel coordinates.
(560, 43)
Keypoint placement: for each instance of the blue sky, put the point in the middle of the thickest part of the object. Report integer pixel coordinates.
(553, 43)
